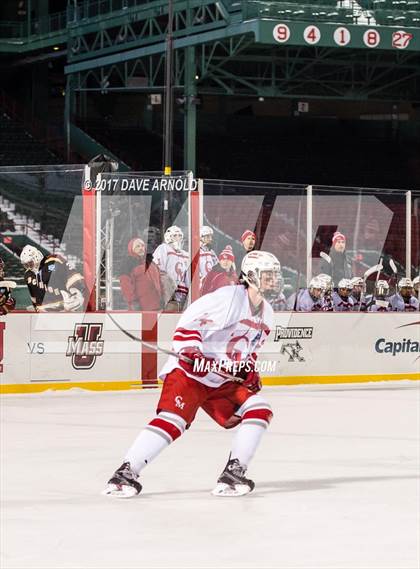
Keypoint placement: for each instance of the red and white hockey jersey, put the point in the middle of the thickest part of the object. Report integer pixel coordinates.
(175, 263)
(224, 326)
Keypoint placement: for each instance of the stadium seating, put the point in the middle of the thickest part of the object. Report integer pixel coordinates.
(18, 147)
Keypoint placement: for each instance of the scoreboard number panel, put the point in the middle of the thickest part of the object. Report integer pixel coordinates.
(312, 35)
(371, 38)
(342, 36)
(401, 39)
(281, 33)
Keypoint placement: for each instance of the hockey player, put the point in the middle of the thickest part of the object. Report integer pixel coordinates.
(309, 299)
(379, 301)
(358, 294)
(223, 274)
(416, 287)
(208, 258)
(52, 285)
(277, 298)
(7, 302)
(327, 302)
(404, 300)
(341, 298)
(222, 330)
(173, 262)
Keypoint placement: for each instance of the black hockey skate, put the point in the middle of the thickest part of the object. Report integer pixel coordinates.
(232, 481)
(123, 483)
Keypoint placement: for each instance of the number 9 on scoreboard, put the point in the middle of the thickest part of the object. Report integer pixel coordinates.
(281, 33)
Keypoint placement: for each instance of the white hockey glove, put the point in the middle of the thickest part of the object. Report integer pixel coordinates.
(73, 300)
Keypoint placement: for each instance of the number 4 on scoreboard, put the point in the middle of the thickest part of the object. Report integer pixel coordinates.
(312, 35)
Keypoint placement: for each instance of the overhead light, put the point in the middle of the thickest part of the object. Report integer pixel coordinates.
(197, 77)
(56, 48)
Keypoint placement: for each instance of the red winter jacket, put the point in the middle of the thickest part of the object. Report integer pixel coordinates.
(217, 278)
(140, 282)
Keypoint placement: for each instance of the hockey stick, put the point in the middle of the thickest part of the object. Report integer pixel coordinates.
(372, 270)
(170, 352)
(8, 284)
(326, 257)
(49, 306)
(378, 272)
(395, 275)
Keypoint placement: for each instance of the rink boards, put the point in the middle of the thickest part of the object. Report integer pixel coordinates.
(62, 351)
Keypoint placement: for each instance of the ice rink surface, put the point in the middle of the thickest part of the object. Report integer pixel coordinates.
(337, 484)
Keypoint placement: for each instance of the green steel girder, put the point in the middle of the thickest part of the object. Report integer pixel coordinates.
(230, 31)
(33, 43)
(324, 72)
(236, 66)
(143, 25)
(151, 65)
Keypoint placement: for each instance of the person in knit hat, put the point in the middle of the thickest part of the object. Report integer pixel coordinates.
(339, 265)
(248, 240)
(140, 278)
(223, 274)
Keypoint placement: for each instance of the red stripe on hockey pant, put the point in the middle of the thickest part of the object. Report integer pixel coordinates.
(187, 332)
(185, 337)
(169, 428)
(263, 414)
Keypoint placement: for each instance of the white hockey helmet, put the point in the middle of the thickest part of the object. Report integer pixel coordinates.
(405, 287)
(206, 231)
(416, 283)
(405, 283)
(344, 287)
(31, 257)
(317, 287)
(357, 281)
(382, 288)
(254, 264)
(326, 281)
(345, 283)
(174, 236)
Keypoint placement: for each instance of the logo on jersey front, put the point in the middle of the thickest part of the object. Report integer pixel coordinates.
(179, 402)
(85, 345)
(2, 329)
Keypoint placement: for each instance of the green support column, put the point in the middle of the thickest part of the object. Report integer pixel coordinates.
(190, 120)
(42, 12)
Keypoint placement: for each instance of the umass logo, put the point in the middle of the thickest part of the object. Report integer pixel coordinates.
(85, 345)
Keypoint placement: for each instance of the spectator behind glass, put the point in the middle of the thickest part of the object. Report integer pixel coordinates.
(248, 239)
(140, 279)
(223, 274)
(340, 266)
